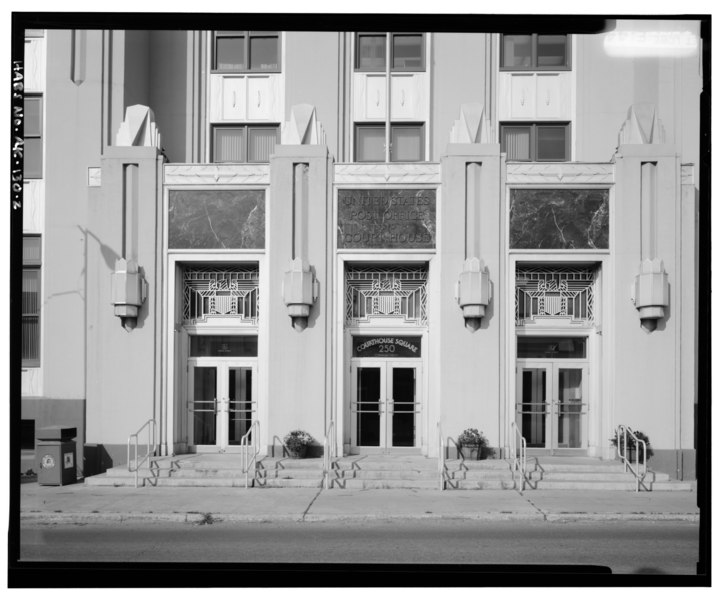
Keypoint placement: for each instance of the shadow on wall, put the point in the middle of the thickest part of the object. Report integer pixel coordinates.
(96, 460)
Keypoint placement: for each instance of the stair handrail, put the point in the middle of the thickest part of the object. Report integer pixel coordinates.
(519, 458)
(329, 454)
(245, 442)
(151, 441)
(441, 463)
(639, 473)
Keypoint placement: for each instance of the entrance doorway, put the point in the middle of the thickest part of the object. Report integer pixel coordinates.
(385, 408)
(552, 404)
(221, 391)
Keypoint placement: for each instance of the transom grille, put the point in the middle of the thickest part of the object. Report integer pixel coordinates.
(229, 293)
(546, 293)
(373, 294)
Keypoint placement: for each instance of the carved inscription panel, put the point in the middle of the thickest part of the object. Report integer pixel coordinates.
(385, 218)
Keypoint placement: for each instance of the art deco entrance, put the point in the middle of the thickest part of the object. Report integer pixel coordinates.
(222, 392)
(552, 404)
(385, 408)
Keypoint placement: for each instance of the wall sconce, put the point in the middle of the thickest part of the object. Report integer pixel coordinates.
(300, 290)
(473, 292)
(650, 292)
(129, 289)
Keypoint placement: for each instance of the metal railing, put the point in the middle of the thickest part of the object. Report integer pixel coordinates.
(133, 466)
(251, 440)
(441, 464)
(330, 453)
(518, 453)
(640, 467)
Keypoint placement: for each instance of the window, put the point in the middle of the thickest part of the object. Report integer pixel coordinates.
(33, 137)
(535, 141)
(407, 52)
(406, 142)
(244, 143)
(30, 303)
(535, 52)
(247, 51)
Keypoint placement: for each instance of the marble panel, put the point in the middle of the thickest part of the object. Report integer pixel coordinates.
(386, 218)
(209, 219)
(563, 219)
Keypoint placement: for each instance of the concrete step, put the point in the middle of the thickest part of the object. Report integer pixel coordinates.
(599, 467)
(570, 476)
(627, 486)
(462, 475)
(598, 476)
(199, 482)
(673, 486)
(386, 484)
(314, 482)
(479, 465)
(481, 484)
(385, 474)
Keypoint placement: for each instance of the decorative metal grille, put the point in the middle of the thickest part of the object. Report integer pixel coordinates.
(221, 293)
(554, 293)
(373, 294)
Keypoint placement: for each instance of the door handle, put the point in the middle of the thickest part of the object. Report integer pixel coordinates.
(259, 98)
(377, 97)
(402, 101)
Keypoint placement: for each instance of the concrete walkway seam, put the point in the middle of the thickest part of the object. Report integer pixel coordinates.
(210, 518)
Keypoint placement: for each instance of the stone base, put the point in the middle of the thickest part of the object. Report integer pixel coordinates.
(678, 464)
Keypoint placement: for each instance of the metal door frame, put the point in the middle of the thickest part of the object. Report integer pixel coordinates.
(552, 405)
(222, 405)
(386, 403)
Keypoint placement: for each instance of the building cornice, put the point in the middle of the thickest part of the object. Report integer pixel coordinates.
(216, 174)
(560, 173)
(387, 174)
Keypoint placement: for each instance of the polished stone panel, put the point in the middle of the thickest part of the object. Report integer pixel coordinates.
(232, 219)
(384, 218)
(559, 219)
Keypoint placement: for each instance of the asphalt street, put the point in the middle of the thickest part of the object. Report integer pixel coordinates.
(641, 547)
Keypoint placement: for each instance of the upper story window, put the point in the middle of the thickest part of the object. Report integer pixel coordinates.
(406, 52)
(32, 156)
(244, 143)
(246, 51)
(535, 52)
(535, 141)
(406, 142)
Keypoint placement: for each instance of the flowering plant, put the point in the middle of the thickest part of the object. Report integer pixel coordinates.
(472, 437)
(631, 444)
(298, 440)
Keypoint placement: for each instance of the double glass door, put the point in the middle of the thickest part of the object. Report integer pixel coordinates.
(552, 404)
(385, 407)
(221, 403)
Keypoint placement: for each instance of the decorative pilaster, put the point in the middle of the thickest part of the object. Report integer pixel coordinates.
(641, 148)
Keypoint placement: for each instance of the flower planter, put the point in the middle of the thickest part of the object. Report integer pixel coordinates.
(471, 452)
(298, 452)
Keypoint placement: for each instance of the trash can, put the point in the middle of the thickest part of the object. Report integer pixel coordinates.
(55, 455)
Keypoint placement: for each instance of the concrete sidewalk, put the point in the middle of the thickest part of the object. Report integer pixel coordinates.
(83, 504)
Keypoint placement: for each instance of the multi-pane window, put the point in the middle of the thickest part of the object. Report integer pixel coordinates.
(406, 142)
(256, 51)
(535, 141)
(535, 52)
(32, 154)
(30, 303)
(244, 143)
(406, 52)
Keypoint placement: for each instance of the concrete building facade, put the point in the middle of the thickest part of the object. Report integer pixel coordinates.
(384, 237)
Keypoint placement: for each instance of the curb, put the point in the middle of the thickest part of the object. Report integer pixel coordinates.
(210, 518)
